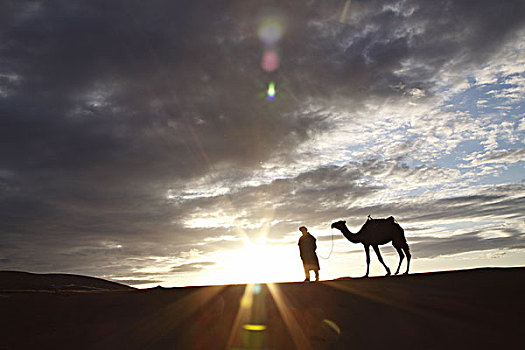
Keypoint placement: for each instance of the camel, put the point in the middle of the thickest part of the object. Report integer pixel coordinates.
(374, 233)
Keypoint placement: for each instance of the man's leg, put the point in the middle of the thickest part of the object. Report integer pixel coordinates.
(306, 273)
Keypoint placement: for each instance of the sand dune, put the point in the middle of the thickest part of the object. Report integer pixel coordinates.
(471, 309)
(19, 281)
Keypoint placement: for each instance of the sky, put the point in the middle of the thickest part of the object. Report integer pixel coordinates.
(139, 142)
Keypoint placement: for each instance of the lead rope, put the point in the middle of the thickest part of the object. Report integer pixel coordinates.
(331, 249)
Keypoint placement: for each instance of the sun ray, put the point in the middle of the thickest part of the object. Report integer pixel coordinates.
(342, 18)
(150, 328)
(245, 304)
(294, 329)
(249, 327)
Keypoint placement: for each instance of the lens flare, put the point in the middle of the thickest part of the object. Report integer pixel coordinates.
(254, 327)
(270, 94)
(270, 60)
(332, 326)
(271, 26)
(342, 18)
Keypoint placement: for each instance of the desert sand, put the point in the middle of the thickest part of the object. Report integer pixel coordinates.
(469, 309)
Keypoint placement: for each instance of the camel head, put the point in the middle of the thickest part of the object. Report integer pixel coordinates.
(339, 224)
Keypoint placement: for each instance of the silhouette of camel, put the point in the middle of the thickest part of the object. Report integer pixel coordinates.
(376, 232)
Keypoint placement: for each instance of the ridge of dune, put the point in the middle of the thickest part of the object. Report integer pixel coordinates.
(27, 281)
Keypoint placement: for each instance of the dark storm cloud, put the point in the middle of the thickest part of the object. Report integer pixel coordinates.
(105, 105)
(132, 87)
(388, 48)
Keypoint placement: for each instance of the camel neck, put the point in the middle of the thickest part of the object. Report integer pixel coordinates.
(354, 238)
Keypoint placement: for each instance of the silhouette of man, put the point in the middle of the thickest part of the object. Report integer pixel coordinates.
(307, 247)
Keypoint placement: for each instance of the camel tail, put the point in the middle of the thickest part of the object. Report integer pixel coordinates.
(404, 243)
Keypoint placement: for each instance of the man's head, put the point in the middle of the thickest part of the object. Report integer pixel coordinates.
(303, 230)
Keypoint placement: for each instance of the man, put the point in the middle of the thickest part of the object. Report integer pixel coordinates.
(307, 249)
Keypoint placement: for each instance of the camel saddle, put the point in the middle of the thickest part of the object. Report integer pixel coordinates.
(389, 219)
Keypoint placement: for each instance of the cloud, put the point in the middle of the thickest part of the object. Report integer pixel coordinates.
(504, 156)
(136, 282)
(192, 266)
(468, 242)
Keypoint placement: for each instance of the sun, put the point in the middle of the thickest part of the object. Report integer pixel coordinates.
(259, 262)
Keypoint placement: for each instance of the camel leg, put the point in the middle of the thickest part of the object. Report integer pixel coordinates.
(378, 253)
(367, 251)
(401, 257)
(407, 252)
